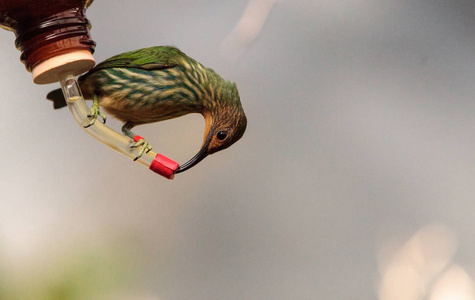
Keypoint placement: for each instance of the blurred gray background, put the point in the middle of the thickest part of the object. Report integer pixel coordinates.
(360, 141)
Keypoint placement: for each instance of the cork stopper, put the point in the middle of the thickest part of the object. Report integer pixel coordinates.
(50, 70)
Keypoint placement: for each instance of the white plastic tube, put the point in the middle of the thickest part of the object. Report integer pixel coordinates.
(79, 109)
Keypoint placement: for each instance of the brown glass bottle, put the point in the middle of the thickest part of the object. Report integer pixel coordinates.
(50, 29)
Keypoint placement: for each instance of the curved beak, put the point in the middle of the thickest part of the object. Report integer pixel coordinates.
(196, 159)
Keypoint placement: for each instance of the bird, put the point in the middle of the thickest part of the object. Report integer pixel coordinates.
(159, 83)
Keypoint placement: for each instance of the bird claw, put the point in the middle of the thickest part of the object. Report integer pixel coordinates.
(94, 113)
(145, 147)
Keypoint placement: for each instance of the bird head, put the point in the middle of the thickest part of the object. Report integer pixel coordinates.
(225, 123)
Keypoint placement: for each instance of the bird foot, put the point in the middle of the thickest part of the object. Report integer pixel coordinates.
(141, 142)
(94, 113)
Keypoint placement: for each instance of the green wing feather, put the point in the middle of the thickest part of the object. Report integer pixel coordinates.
(152, 58)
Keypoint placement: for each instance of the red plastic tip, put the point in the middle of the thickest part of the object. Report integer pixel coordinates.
(164, 166)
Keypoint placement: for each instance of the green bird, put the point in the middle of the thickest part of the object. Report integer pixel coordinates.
(160, 83)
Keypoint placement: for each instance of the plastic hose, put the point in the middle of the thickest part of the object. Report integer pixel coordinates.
(79, 109)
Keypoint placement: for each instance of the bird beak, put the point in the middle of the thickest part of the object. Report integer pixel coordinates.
(197, 158)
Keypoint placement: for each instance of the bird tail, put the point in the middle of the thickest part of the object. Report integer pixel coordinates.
(58, 98)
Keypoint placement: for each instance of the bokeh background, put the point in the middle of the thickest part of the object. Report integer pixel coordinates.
(354, 180)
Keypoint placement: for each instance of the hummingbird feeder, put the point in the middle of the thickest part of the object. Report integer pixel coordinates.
(56, 46)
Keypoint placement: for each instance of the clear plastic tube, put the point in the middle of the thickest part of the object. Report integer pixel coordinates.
(79, 109)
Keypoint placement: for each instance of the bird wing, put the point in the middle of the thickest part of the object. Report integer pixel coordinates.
(152, 58)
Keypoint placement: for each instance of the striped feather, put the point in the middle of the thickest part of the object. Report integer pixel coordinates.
(154, 84)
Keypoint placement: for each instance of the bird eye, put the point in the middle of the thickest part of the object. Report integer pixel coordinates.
(222, 135)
